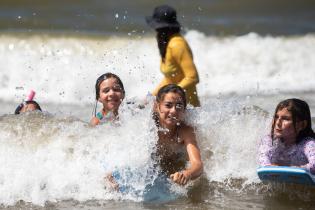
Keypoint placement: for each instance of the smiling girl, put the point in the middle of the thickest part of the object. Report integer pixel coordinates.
(176, 140)
(292, 140)
(110, 92)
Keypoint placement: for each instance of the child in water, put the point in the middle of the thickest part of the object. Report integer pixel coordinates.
(28, 105)
(110, 92)
(292, 140)
(176, 144)
(176, 140)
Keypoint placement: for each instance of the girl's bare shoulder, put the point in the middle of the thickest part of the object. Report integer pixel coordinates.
(187, 132)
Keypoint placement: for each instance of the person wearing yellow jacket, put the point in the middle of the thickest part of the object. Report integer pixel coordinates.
(176, 57)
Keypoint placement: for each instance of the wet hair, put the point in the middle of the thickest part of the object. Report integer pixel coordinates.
(20, 107)
(103, 77)
(300, 111)
(171, 88)
(163, 37)
(99, 80)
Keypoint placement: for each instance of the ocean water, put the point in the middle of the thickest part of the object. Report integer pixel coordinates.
(55, 160)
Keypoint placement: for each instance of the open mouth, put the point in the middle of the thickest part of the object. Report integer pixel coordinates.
(171, 117)
(113, 101)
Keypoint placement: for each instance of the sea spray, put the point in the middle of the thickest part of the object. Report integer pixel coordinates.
(64, 69)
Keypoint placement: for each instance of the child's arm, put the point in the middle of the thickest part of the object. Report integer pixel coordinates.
(264, 151)
(309, 151)
(196, 165)
(94, 121)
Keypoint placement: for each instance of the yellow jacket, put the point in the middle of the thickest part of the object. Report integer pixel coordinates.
(179, 68)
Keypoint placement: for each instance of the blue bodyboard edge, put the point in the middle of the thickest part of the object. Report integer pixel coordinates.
(285, 174)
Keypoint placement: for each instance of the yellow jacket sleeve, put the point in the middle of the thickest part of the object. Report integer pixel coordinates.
(183, 57)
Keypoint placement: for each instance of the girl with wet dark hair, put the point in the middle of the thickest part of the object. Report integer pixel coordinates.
(292, 139)
(109, 91)
(176, 140)
(175, 146)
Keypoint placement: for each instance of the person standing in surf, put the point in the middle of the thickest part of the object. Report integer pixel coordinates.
(176, 57)
(110, 92)
(292, 140)
(176, 140)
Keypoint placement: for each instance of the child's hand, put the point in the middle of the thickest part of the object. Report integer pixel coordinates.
(112, 182)
(181, 177)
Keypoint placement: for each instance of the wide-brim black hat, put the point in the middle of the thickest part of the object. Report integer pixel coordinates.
(163, 16)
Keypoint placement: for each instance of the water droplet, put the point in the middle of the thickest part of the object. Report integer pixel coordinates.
(11, 46)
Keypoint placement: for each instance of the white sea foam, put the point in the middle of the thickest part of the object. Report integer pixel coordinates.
(64, 69)
(47, 158)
